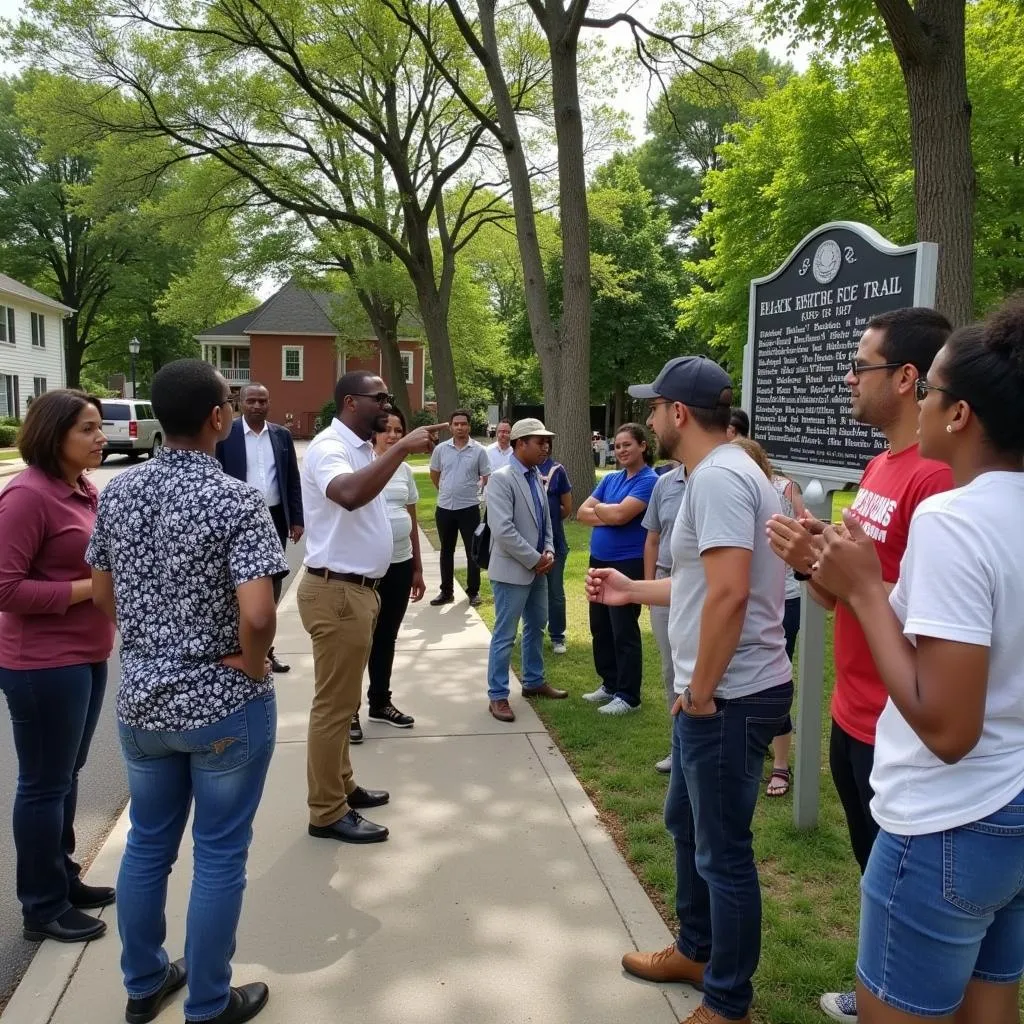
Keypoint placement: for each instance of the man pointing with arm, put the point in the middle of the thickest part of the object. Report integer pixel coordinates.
(348, 550)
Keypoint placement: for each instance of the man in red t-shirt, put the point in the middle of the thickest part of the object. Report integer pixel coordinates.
(895, 350)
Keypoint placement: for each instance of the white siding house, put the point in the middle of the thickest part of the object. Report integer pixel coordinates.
(31, 345)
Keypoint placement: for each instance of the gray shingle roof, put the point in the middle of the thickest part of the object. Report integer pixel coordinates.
(22, 291)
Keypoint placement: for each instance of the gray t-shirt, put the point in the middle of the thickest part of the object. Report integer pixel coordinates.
(661, 514)
(726, 504)
(460, 469)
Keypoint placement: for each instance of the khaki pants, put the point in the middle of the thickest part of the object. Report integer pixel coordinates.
(339, 617)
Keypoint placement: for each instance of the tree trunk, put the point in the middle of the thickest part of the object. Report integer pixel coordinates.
(384, 320)
(72, 352)
(931, 52)
(620, 404)
(442, 366)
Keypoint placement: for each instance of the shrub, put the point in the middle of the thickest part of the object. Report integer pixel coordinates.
(8, 435)
(421, 418)
(9, 421)
(327, 413)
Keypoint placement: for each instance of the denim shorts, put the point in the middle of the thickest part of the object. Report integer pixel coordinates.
(938, 910)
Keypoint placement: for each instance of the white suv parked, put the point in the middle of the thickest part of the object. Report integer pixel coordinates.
(130, 427)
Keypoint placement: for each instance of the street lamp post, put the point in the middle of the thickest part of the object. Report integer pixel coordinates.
(133, 348)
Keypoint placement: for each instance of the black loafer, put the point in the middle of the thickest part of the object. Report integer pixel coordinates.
(443, 599)
(475, 601)
(361, 798)
(243, 1004)
(90, 897)
(355, 730)
(142, 1011)
(71, 926)
(352, 828)
(277, 666)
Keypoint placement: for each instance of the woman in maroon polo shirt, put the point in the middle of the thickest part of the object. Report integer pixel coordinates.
(54, 646)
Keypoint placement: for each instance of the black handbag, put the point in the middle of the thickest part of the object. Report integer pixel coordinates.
(480, 546)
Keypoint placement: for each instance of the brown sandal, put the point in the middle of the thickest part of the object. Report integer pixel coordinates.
(781, 776)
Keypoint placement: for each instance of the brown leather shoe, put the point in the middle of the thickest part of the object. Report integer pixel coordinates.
(666, 965)
(704, 1015)
(546, 690)
(501, 710)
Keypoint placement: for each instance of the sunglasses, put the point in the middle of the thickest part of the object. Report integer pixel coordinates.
(380, 397)
(923, 387)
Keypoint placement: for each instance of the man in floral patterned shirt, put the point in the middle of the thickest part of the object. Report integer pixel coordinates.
(183, 558)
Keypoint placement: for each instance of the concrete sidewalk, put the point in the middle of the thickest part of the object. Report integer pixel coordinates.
(499, 897)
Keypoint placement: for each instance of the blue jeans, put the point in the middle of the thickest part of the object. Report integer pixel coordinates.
(717, 761)
(512, 602)
(940, 909)
(556, 598)
(53, 713)
(223, 768)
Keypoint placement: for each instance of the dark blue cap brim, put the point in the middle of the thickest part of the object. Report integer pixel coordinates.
(643, 391)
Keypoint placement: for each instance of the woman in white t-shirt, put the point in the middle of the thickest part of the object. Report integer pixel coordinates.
(403, 581)
(942, 899)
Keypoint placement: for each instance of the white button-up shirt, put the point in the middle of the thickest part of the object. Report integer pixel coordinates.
(359, 541)
(260, 468)
(497, 457)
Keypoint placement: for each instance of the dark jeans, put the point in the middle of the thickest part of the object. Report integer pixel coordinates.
(393, 591)
(218, 771)
(54, 713)
(716, 777)
(791, 627)
(851, 761)
(450, 523)
(277, 515)
(615, 635)
(556, 598)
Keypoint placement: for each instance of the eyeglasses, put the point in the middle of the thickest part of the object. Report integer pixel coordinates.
(858, 368)
(923, 387)
(380, 397)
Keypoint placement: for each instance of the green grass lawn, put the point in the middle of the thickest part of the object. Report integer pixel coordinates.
(9, 453)
(810, 879)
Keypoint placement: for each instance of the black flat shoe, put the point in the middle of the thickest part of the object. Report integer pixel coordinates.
(353, 828)
(71, 926)
(361, 798)
(278, 666)
(355, 730)
(243, 1004)
(142, 1011)
(443, 599)
(90, 897)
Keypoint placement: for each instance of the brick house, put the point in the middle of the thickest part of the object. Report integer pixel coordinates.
(289, 343)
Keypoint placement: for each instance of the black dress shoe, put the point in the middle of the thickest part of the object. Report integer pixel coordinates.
(142, 1011)
(243, 1004)
(90, 897)
(277, 666)
(443, 599)
(355, 730)
(361, 798)
(71, 926)
(353, 828)
(475, 601)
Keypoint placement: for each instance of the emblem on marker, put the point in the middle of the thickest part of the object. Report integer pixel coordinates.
(827, 261)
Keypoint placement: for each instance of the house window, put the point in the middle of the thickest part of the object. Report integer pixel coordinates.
(38, 386)
(38, 330)
(7, 325)
(291, 362)
(9, 395)
(408, 364)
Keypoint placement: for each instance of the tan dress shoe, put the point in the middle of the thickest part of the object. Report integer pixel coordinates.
(502, 710)
(546, 690)
(666, 965)
(703, 1015)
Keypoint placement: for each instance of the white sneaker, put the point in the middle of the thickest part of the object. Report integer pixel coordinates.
(617, 706)
(559, 647)
(664, 766)
(599, 696)
(840, 1006)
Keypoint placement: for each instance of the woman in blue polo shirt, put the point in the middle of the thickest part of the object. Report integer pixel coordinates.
(616, 511)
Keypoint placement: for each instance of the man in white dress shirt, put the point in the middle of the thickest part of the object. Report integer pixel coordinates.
(500, 452)
(348, 549)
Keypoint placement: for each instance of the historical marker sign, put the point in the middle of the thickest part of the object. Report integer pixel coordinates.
(805, 322)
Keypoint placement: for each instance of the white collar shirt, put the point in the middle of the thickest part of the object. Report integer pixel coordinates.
(358, 541)
(260, 467)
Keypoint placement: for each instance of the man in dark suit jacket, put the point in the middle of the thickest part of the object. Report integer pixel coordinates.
(263, 455)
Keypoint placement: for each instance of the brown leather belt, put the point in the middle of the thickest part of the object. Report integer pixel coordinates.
(370, 582)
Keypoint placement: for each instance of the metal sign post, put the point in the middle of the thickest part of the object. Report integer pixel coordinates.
(804, 324)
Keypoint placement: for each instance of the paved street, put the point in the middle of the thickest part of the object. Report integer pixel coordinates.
(102, 791)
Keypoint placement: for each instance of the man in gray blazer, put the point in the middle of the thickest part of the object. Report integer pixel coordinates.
(522, 554)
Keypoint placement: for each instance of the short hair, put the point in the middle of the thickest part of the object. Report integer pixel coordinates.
(985, 369)
(912, 335)
(640, 435)
(508, 422)
(47, 422)
(184, 393)
(252, 384)
(352, 383)
(460, 412)
(741, 421)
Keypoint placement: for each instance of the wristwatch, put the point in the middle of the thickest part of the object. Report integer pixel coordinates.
(687, 698)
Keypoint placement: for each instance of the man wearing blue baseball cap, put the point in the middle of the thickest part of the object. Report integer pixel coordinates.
(726, 596)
